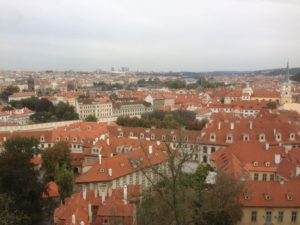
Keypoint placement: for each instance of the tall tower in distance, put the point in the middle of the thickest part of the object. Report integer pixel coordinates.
(30, 84)
(286, 88)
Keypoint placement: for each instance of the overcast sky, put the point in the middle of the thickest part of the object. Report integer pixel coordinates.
(160, 35)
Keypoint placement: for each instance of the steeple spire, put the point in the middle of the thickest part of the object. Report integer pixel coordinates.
(287, 74)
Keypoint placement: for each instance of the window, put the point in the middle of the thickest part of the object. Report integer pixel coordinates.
(294, 217)
(213, 149)
(268, 217)
(163, 137)
(205, 149)
(264, 177)
(272, 177)
(280, 216)
(253, 216)
(261, 137)
(255, 176)
(205, 159)
(246, 137)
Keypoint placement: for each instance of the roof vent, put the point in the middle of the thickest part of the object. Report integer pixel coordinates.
(267, 146)
(110, 172)
(277, 158)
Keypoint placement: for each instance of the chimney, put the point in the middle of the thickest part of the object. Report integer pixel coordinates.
(219, 126)
(277, 159)
(107, 141)
(232, 125)
(84, 192)
(73, 219)
(81, 223)
(267, 146)
(100, 159)
(125, 194)
(150, 149)
(110, 172)
(90, 213)
(158, 143)
(95, 193)
(298, 170)
(281, 181)
(274, 132)
(109, 191)
(102, 196)
(206, 125)
(251, 125)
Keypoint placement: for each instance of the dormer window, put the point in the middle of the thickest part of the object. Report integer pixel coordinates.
(278, 137)
(121, 134)
(42, 139)
(174, 138)
(152, 136)
(255, 163)
(262, 137)
(163, 137)
(57, 138)
(267, 164)
(66, 138)
(229, 138)
(267, 197)
(74, 139)
(246, 137)
(246, 196)
(212, 137)
(131, 134)
(101, 170)
(95, 150)
(142, 135)
(292, 136)
(289, 197)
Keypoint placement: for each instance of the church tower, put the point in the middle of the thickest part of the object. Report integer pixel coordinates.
(286, 89)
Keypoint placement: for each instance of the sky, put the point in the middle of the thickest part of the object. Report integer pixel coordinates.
(149, 35)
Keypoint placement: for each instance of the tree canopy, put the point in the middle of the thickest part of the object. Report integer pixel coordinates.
(56, 156)
(9, 91)
(19, 181)
(91, 118)
(27, 145)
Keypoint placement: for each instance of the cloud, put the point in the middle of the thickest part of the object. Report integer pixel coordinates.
(149, 35)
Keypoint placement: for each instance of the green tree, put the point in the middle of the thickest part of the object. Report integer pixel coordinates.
(28, 145)
(43, 117)
(9, 214)
(64, 179)
(172, 195)
(196, 124)
(219, 204)
(64, 111)
(9, 91)
(91, 118)
(56, 156)
(19, 180)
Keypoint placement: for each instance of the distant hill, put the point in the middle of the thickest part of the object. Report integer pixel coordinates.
(266, 72)
(296, 77)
